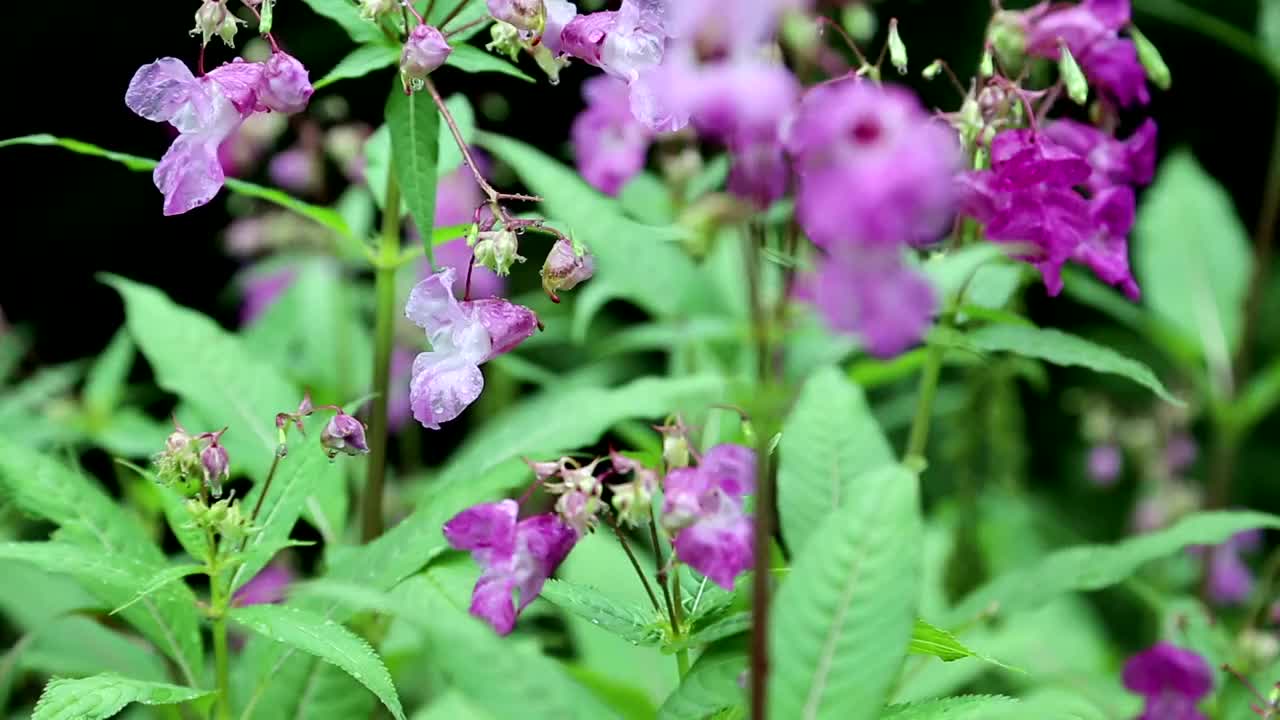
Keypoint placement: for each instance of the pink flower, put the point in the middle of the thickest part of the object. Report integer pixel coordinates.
(517, 557)
(463, 335)
(702, 507)
(268, 586)
(1171, 679)
(609, 144)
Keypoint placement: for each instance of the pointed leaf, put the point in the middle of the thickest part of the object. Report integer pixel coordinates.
(844, 617)
(159, 580)
(829, 439)
(360, 62)
(326, 640)
(345, 14)
(470, 59)
(628, 621)
(102, 696)
(414, 124)
(963, 707)
(105, 382)
(1067, 350)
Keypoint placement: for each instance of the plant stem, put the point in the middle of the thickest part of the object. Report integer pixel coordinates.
(761, 589)
(218, 610)
(662, 573)
(384, 333)
(928, 389)
(1263, 242)
(626, 547)
(682, 655)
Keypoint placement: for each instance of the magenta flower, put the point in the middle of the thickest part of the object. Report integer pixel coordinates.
(297, 170)
(609, 144)
(424, 51)
(1090, 31)
(1113, 162)
(517, 557)
(1104, 464)
(206, 111)
(463, 335)
(1171, 679)
(268, 586)
(871, 293)
(873, 167)
(343, 433)
(524, 14)
(703, 509)
(559, 14)
(1230, 579)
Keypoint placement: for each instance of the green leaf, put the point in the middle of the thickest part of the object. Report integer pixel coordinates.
(470, 59)
(414, 124)
(503, 679)
(711, 686)
(344, 13)
(105, 382)
(844, 616)
(828, 440)
(1067, 350)
(192, 537)
(1258, 399)
(1093, 567)
(326, 640)
(725, 627)
(78, 646)
(1192, 256)
(159, 580)
(360, 62)
(963, 707)
(451, 706)
(928, 639)
(102, 696)
(167, 618)
(634, 262)
(628, 621)
(377, 149)
(322, 215)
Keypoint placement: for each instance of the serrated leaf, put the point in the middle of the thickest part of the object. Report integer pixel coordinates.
(1192, 255)
(711, 686)
(506, 681)
(326, 640)
(414, 124)
(377, 150)
(344, 13)
(322, 215)
(634, 262)
(1064, 349)
(720, 629)
(828, 440)
(628, 621)
(470, 59)
(360, 62)
(105, 382)
(843, 617)
(1093, 567)
(159, 580)
(102, 696)
(963, 707)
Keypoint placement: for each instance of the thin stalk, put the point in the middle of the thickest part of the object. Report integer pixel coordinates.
(761, 588)
(220, 653)
(1263, 242)
(384, 333)
(662, 574)
(635, 564)
(918, 438)
(682, 655)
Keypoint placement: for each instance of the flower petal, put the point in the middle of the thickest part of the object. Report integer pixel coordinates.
(442, 387)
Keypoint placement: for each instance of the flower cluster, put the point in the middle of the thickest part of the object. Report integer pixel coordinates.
(206, 111)
(191, 462)
(702, 514)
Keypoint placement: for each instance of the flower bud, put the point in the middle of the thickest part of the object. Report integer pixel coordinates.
(987, 66)
(213, 18)
(374, 9)
(425, 51)
(527, 15)
(675, 450)
(286, 86)
(931, 70)
(567, 265)
(177, 440)
(344, 434)
(1072, 75)
(1007, 37)
(579, 510)
(897, 49)
(1152, 62)
(505, 40)
(546, 470)
(498, 250)
(216, 466)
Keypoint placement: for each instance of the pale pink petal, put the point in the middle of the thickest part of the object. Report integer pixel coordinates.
(189, 174)
(158, 91)
(443, 388)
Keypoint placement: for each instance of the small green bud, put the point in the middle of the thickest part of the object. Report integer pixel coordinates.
(859, 21)
(213, 18)
(472, 233)
(1072, 75)
(931, 70)
(374, 9)
(897, 49)
(505, 40)
(498, 251)
(1151, 61)
(986, 66)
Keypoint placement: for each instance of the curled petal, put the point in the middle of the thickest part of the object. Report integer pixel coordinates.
(189, 174)
(240, 82)
(488, 527)
(730, 467)
(491, 601)
(432, 303)
(506, 323)
(442, 387)
(158, 91)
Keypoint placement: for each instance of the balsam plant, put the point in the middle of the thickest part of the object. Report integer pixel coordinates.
(787, 483)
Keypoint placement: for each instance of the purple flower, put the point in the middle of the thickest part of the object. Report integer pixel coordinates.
(1171, 679)
(268, 586)
(1090, 31)
(206, 111)
(524, 14)
(516, 557)
(1104, 464)
(565, 268)
(425, 50)
(1230, 579)
(609, 144)
(705, 27)
(1113, 162)
(297, 170)
(344, 434)
(1179, 452)
(463, 335)
(873, 167)
(702, 507)
(870, 292)
(261, 291)
(216, 465)
(559, 14)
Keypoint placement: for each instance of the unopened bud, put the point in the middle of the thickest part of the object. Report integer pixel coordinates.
(213, 18)
(1007, 37)
(425, 50)
(527, 15)
(987, 66)
(579, 510)
(1072, 75)
(632, 500)
(216, 466)
(931, 70)
(675, 449)
(567, 265)
(374, 9)
(177, 441)
(1151, 61)
(505, 40)
(897, 49)
(546, 470)
(344, 434)
(498, 251)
